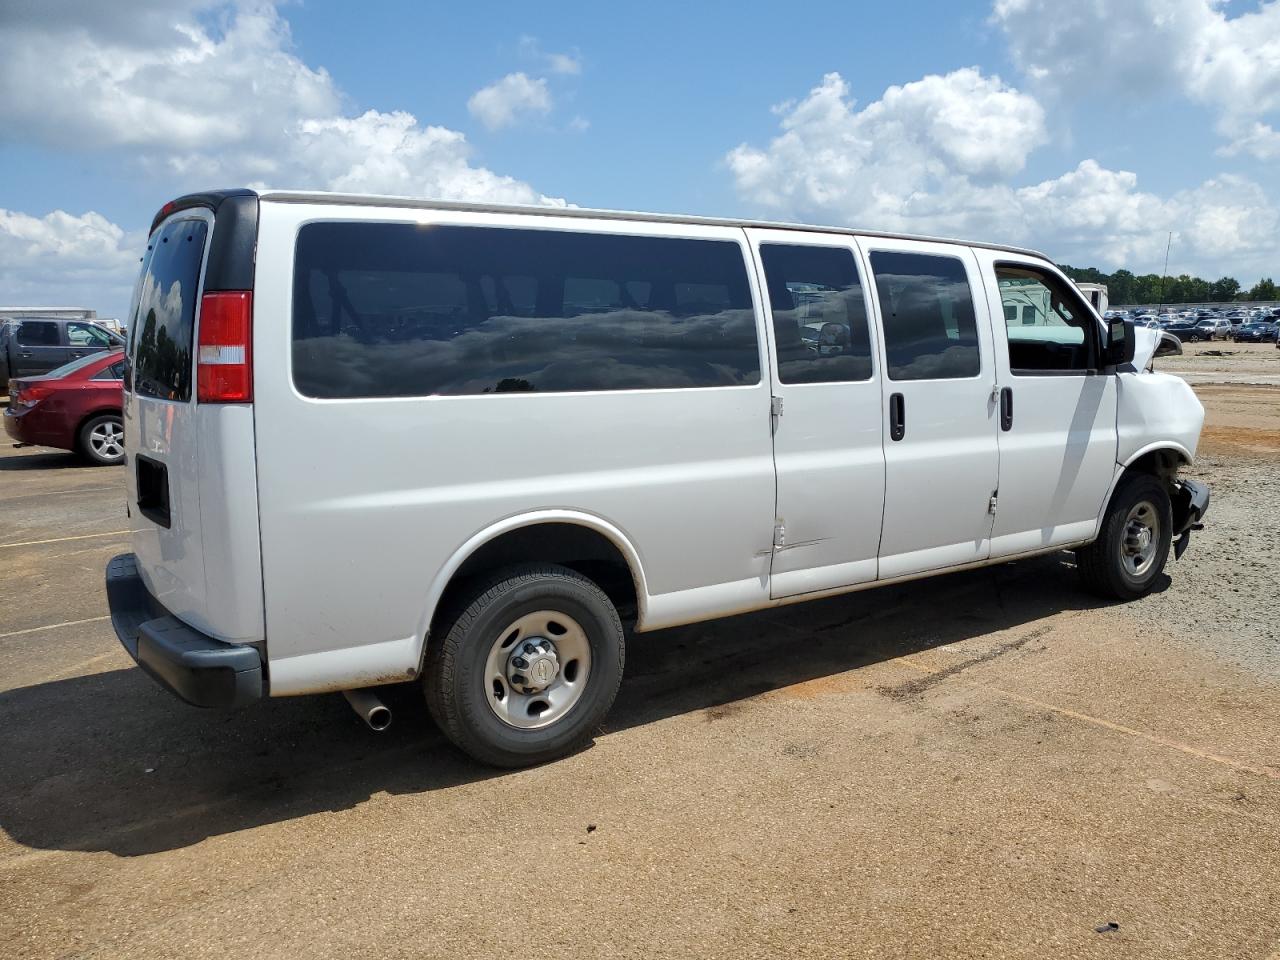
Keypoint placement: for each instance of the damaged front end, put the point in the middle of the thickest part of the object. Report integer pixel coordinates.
(1190, 501)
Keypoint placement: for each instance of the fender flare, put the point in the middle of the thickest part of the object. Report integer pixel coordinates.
(477, 540)
(1184, 455)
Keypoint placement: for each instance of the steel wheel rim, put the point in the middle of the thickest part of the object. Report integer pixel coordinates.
(107, 440)
(1141, 538)
(528, 638)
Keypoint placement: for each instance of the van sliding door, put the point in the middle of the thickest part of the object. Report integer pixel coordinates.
(828, 437)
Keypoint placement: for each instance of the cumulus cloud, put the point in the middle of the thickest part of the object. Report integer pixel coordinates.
(1134, 48)
(195, 93)
(199, 106)
(77, 260)
(942, 156)
(510, 99)
(897, 162)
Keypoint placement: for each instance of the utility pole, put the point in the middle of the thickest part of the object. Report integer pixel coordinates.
(1166, 269)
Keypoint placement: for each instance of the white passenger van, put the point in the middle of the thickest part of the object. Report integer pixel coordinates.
(376, 440)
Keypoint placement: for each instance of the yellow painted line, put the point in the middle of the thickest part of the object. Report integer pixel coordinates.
(53, 626)
(83, 536)
(1115, 727)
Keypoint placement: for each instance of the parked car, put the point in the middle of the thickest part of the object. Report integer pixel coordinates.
(376, 440)
(1185, 330)
(30, 346)
(1219, 329)
(75, 407)
(1255, 333)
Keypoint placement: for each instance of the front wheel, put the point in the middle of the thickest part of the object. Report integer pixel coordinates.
(1133, 545)
(526, 670)
(102, 439)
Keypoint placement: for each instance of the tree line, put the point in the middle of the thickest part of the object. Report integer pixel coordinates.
(1125, 287)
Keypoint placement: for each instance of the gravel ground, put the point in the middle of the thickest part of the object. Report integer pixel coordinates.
(987, 764)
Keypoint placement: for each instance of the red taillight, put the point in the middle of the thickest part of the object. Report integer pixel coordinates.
(30, 394)
(224, 355)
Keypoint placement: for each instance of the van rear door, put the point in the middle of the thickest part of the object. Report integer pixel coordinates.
(191, 479)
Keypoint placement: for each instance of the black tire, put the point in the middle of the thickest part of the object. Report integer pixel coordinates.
(457, 687)
(1102, 564)
(95, 452)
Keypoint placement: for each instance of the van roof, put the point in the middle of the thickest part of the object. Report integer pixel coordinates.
(212, 199)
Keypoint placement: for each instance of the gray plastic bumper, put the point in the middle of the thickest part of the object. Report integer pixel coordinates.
(1190, 504)
(194, 666)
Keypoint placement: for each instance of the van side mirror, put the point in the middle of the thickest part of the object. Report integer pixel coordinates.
(1120, 342)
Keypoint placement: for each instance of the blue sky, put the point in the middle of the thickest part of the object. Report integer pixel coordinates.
(1090, 131)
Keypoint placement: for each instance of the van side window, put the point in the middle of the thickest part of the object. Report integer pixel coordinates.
(819, 314)
(401, 310)
(1049, 329)
(930, 331)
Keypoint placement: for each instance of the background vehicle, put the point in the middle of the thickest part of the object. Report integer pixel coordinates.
(1183, 329)
(30, 346)
(374, 440)
(75, 407)
(1219, 329)
(1263, 332)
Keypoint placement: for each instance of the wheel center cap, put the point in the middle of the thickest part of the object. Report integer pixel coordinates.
(533, 666)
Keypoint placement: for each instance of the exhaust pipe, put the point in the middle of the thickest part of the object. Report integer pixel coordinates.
(372, 710)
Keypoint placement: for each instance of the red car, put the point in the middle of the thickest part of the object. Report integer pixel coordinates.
(75, 407)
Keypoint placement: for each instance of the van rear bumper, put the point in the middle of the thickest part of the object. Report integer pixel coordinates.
(194, 666)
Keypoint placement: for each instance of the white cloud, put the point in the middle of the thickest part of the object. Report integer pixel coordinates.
(564, 63)
(940, 156)
(198, 107)
(569, 64)
(503, 103)
(1259, 140)
(76, 260)
(1135, 48)
(390, 152)
(895, 163)
(152, 86)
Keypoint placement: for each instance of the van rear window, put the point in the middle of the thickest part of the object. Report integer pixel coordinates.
(164, 322)
(396, 310)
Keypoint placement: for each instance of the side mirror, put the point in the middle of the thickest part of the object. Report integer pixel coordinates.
(1120, 342)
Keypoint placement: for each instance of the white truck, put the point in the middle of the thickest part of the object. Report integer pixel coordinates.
(376, 440)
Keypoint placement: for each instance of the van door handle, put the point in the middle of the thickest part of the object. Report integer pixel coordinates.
(897, 416)
(1006, 408)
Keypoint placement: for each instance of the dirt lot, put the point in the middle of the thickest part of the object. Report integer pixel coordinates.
(985, 764)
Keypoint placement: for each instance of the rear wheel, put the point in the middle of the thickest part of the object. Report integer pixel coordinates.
(102, 439)
(1133, 545)
(526, 669)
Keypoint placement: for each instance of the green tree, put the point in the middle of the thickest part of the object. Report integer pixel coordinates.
(1223, 290)
(1265, 289)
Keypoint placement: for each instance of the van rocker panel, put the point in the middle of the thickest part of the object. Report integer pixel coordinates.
(193, 666)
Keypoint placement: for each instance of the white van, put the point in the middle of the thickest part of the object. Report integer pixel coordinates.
(375, 440)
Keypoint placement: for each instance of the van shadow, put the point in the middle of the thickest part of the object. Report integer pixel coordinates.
(110, 762)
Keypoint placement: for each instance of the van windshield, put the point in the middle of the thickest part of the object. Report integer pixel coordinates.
(164, 320)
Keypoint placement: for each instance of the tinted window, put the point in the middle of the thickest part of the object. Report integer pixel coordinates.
(38, 333)
(165, 317)
(113, 372)
(390, 310)
(819, 315)
(1048, 328)
(929, 328)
